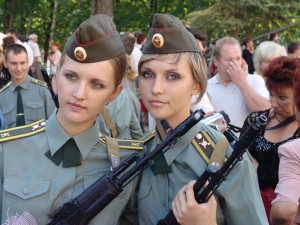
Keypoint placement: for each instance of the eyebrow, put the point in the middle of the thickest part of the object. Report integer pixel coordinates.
(77, 74)
(169, 70)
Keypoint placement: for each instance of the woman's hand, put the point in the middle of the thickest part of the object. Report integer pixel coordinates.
(188, 212)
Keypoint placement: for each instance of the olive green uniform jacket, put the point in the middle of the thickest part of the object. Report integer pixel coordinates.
(36, 97)
(124, 111)
(33, 183)
(239, 200)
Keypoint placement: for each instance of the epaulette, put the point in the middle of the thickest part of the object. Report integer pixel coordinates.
(205, 145)
(5, 86)
(42, 83)
(22, 131)
(125, 144)
(147, 137)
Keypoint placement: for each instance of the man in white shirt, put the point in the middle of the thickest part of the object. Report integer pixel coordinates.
(36, 66)
(13, 33)
(233, 89)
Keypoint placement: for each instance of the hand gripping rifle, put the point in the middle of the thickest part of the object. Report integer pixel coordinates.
(47, 80)
(217, 176)
(94, 199)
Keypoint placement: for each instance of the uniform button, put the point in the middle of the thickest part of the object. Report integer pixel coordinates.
(25, 190)
(65, 195)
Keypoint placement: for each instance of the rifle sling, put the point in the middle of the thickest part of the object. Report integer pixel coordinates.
(113, 151)
(111, 125)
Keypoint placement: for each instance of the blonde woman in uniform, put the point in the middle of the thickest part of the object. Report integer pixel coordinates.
(171, 71)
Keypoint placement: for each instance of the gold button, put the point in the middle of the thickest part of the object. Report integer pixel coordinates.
(80, 54)
(158, 40)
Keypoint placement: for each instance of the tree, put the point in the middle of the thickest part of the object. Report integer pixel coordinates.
(133, 15)
(243, 18)
(102, 6)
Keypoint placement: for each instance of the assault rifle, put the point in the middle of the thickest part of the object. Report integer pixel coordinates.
(47, 80)
(94, 199)
(216, 177)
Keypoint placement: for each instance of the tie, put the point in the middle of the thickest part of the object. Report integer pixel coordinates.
(160, 166)
(69, 153)
(20, 110)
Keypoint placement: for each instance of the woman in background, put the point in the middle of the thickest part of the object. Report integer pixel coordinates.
(285, 208)
(281, 127)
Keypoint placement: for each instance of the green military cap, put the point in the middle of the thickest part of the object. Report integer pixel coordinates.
(128, 43)
(168, 35)
(96, 39)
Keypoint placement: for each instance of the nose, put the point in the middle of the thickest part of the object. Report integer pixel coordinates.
(80, 91)
(19, 67)
(157, 86)
(274, 102)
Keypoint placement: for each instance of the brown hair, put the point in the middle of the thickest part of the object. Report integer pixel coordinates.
(281, 72)
(297, 85)
(15, 48)
(7, 41)
(195, 59)
(118, 63)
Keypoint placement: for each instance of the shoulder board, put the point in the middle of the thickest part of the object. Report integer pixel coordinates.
(148, 136)
(42, 83)
(22, 131)
(125, 144)
(205, 145)
(5, 86)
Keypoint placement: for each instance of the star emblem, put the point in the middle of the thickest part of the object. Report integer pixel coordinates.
(204, 143)
(36, 126)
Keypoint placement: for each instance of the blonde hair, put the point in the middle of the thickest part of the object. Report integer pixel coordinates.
(221, 42)
(196, 61)
(266, 51)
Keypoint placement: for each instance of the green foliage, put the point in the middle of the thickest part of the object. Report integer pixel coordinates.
(132, 15)
(244, 18)
(217, 18)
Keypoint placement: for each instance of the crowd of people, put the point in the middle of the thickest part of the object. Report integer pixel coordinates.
(113, 89)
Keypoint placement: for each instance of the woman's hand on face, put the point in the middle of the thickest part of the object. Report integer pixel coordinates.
(189, 212)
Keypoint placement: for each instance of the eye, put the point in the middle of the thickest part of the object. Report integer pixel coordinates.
(172, 77)
(282, 97)
(70, 76)
(97, 84)
(147, 75)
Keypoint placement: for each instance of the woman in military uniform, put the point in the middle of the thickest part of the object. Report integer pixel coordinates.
(49, 163)
(171, 70)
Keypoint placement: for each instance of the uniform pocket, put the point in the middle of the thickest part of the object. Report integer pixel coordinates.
(34, 111)
(26, 188)
(10, 115)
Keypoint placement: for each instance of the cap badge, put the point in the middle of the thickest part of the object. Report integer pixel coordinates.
(80, 53)
(158, 40)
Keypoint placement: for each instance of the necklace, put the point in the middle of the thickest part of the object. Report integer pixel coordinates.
(275, 115)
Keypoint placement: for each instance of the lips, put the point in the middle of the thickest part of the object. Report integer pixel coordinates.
(75, 106)
(157, 103)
